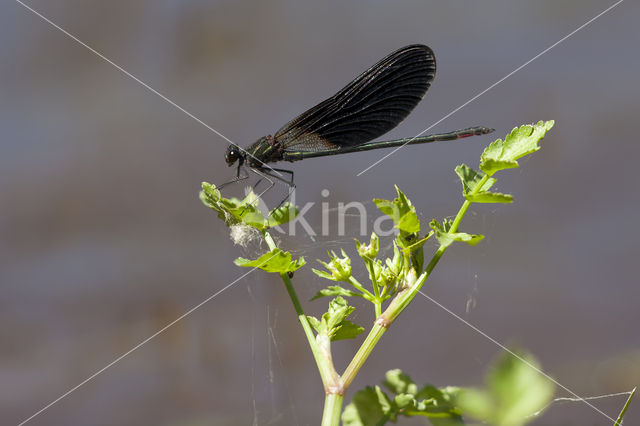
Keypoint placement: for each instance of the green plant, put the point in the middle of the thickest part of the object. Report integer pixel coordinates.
(513, 390)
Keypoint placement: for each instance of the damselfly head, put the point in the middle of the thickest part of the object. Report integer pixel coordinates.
(232, 155)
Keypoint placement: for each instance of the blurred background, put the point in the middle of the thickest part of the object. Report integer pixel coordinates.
(103, 240)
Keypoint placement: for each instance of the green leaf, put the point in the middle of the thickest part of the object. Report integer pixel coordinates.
(404, 217)
(401, 211)
(395, 265)
(210, 195)
(399, 383)
(339, 310)
(334, 324)
(372, 406)
(232, 210)
(235, 211)
(384, 401)
(283, 214)
(438, 404)
(471, 178)
(477, 403)
(314, 323)
(490, 197)
(446, 238)
(347, 330)
(333, 290)
(275, 260)
(514, 391)
(364, 410)
(404, 400)
(521, 141)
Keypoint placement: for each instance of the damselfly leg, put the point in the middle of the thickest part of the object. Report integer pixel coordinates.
(238, 178)
(267, 173)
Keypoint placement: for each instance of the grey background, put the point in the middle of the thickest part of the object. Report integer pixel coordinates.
(103, 240)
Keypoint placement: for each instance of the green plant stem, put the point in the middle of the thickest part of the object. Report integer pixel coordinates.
(402, 299)
(332, 409)
(355, 283)
(330, 378)
(377, 301)
(321, 349)
(624, 409)
(363, 353)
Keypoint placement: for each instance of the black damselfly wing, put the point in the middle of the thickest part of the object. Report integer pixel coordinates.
(371, 105)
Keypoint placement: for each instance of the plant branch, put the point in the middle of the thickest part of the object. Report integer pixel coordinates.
(400, 302)
(322, 355)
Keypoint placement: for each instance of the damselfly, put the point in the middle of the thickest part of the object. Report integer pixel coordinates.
(371, 105)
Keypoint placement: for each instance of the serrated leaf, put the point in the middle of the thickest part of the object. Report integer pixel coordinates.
(364, 409)
(251, 217)
(235, 211)
(283, 214)
(232, 210)
(489, 197)
(438, 404)
(333, 322)
(404, 217)
(521, 141)
(275, 260)
(409, 223)
(398, 382)
(443, 396)
(333, 290)
(470, 179)
(339, 310)
(387, 207)
(401, 211)
(446, 238)
(210, 195)
(383, 400)
(404, 400)
(471, 239)
(372, 406)
(347, 330)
